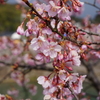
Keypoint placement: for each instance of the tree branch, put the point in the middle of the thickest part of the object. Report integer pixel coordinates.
(92, 5)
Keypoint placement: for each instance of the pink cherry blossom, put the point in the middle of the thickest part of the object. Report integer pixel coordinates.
(27, 33)
(41, 58)
(78, 7)
(43, 81)
(13, 92)
(84, 47)
(32, 27)
(28, 60)
(73, 59)
(52, 49)
(46, 31)
(53, 23)
(40, 8)
(32, 89)
(2, 97)
(47, 97)
(20, 30)
(98, 29)
(19, 78)
(80, 87)
(64, 14)
(52, 9)
(38, 43)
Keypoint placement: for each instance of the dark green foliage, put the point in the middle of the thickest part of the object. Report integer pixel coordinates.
(9, 18)
(97, 18)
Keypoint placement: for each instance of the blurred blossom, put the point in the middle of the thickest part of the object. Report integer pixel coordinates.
(98, 1)
(13, 92)
(98, 29)
(32, 89)
(2, 97)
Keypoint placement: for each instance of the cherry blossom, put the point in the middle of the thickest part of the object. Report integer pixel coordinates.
(52, 38)
(52, 49)
(43, 81)
(20, 30)
(40, 8)
(13, 92)
(64, 14)
(61, 83)
(52, 9)
(32, 89)
(38, 43)
(98, 29)
(2, 97)
(32, 27)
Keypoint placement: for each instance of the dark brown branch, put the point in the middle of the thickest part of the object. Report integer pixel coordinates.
(36, 67)
(26, 69)
(89, 33)
(96, 43)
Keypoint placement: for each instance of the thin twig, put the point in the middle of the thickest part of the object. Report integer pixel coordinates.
(89, 33)
(5, 76)
(92, 5)
(73, 93)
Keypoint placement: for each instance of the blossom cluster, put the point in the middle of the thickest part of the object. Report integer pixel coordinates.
(61, 85)
(50, 36)
(55, 39)
(50, 25)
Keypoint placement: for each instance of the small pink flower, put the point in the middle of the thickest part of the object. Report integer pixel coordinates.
(40, 8)
(79, 7)
(32, 27)
(47, 97)
(52, 49)
(53, 23)
(42, 58)
(52, 9)
(38, 43)
(2, 97)
(64, 14)
(20, 30)
(98, 29)
(32, 89)
(43, 81)
(84, 47)
(73, 59)
(13, 92)
(46, 31)
(27, 33)
(75, 82)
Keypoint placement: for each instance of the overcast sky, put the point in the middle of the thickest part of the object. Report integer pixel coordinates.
(88, 10)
